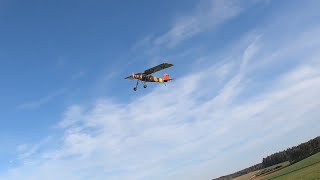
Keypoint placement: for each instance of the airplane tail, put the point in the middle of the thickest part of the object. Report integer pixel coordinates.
(166, 78)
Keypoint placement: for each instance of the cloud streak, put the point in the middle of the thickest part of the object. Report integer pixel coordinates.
(180, 133)
(195, 128)
(37, 103)
(204, 18)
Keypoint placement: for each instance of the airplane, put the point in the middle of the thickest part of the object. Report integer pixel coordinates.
(147, 76)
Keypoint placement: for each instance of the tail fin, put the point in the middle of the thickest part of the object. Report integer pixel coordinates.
(166, 78)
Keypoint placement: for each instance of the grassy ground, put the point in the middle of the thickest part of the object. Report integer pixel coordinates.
(271, 169)
(260, 172)
(307, 169)
(246, 176)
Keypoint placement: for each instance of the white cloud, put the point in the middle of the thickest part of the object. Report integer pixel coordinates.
(205, 18)
(78, 75)
(196, 127)
(178, 132)
(44, 100)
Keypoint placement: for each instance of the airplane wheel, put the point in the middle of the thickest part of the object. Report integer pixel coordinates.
(145, 86)
(135, 89)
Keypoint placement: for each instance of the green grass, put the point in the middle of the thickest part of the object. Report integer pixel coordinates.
(307, 169)
(268, 169)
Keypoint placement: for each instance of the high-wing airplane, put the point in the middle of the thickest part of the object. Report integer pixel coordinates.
(146, 76)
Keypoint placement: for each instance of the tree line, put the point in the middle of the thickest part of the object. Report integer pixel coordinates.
(293, 155)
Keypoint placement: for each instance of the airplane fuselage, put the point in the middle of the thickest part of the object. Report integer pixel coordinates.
(148, 78)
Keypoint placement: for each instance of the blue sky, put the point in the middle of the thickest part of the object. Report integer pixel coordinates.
(247, 83)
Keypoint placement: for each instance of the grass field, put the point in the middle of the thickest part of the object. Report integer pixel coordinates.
(307, 169)
(246, 176)
(271, 169)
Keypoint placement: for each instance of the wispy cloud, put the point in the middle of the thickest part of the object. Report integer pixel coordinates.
(78, 75)
(61, 62)
(204, 18)
(181, 132)
(37, 103)
(195, 128)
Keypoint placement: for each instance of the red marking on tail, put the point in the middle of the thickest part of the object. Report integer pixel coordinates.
(166, 77)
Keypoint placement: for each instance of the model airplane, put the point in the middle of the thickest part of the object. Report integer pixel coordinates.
(146, 76)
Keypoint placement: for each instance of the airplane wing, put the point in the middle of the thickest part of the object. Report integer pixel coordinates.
(158, 68)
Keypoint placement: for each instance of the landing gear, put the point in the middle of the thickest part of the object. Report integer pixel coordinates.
(143, 82)
(135, 88)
